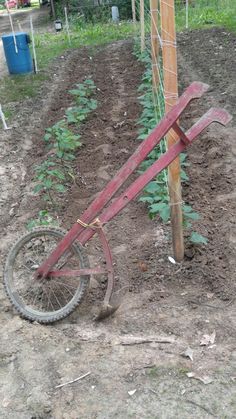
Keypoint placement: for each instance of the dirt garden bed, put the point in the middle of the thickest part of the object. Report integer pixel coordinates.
(181, 302)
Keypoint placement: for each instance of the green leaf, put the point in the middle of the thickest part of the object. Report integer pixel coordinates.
(48, 183)
(184, 176)
(148, 199)
(165, 214)
(198, 238)
(38, 188)
(47, 137)
(161, 206)
(60, 188)
(152, 187)
(192, 215)
(187, 208)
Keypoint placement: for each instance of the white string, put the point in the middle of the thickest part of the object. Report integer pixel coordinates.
(169, 42)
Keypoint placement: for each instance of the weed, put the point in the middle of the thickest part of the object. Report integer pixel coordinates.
(154, 371)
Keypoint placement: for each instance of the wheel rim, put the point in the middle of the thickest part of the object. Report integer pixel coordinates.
(51, 296)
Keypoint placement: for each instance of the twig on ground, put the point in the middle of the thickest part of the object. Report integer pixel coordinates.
(137, 340)
(201, 407)
(73, 381)
(211, 306)
(153, 391)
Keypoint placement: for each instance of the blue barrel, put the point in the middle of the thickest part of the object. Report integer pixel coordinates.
(18, 62)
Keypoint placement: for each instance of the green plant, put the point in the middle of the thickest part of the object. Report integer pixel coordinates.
(54, 174)
(156, 194)
(49, 179)
(83, 90)
(43, 219)
(85, 103)
(62, 142)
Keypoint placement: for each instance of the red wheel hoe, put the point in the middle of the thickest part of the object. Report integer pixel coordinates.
(96, 215)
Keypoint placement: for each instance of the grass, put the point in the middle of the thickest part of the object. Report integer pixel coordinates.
(206, 13)
(52, 45)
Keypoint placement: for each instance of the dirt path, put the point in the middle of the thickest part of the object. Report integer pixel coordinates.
(21, 22)
(182, 303)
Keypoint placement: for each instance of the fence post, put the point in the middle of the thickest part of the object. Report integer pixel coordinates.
(133, 11)
(142, 23)
(154, 43)
(53, 9)
(187, 9)
(171, 95)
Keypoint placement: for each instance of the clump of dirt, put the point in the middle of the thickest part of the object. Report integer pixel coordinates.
(182, 301)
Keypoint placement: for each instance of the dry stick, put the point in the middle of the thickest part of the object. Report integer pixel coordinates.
(171, 95)
(142, 23)
(73, 381)
(137, 340)
(201, 407)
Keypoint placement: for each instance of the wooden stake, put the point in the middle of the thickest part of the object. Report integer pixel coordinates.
(12, 29)
(171, 94)
(154, 44)
(33, 46)
(186, 14)
(67, 25)
(133, 11)
(142, 23)
(53, 9)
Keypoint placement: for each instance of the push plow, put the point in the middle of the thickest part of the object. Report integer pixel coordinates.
(47, 271)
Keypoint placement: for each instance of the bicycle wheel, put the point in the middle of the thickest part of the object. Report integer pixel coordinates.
(51, 299)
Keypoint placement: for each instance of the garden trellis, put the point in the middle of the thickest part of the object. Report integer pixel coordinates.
(157, 27)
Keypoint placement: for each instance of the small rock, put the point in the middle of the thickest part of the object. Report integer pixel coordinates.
(132, 392)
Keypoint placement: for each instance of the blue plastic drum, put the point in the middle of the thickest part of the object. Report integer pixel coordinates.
(18, 58)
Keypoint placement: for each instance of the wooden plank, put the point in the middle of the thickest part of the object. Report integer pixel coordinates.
(169, 52)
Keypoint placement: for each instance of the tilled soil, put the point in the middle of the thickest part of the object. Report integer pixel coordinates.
(181, 302)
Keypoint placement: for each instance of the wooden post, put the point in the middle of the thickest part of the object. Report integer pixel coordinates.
(133, 11)
(187, 8)
(53, 9)
(142, 23)
(171, 94)
(154, 44)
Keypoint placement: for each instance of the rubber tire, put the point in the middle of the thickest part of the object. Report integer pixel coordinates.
(47, 317)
